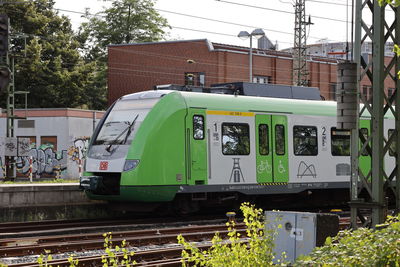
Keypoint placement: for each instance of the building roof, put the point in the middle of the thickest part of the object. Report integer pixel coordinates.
(56, 112)
(219, 47)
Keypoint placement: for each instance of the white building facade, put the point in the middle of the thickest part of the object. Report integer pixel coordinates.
(58, 141)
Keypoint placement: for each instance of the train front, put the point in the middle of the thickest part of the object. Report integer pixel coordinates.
(107, 154)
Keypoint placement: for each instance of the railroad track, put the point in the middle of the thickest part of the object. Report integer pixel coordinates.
(158, 257)
(152, 247)
(64, 243)
(86, 243)
(45, 228)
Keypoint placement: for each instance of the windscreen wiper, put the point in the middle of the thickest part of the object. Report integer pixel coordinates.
(129, 129)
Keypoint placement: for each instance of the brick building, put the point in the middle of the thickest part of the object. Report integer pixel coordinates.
(138, 67)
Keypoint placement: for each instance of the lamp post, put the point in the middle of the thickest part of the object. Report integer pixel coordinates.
(258, 33)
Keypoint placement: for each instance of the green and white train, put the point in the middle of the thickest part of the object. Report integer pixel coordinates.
(191, 148)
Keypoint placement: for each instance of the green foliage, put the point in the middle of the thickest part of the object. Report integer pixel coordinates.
(72, 262)
(48, 64)
(235, 252)
(126, 21)
(363, 247)
(389, 2)
(112, 253)
(44, 259)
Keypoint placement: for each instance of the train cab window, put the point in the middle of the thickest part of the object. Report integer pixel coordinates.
(305, 141)
(263, 139)
(392, 149)
(364, 132)
(198, 127)
(235, 139)
(340, 142)
(280, 139)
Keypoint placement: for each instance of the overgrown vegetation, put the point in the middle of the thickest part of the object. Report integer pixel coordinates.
(363, 247)
(257, 251)
(114, 255)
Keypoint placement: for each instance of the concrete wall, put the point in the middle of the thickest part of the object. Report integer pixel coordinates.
(37, 202)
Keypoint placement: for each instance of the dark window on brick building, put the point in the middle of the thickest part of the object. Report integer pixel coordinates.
(332, 91)
(367, 92)
(195, 78)
(390, 92)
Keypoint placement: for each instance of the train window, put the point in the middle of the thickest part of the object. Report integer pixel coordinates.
(364, 132)
(305, 141)
(392, 149)
(198, 127)
(263, 139)
(280, 139)
(235, 139)
(340, 142)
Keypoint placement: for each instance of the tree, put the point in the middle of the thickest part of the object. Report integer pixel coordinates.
(49, 66)
(126, 21)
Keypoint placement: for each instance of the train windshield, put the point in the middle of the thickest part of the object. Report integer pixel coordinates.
(121, 124)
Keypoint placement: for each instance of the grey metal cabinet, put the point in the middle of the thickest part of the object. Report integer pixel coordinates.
(299, 231)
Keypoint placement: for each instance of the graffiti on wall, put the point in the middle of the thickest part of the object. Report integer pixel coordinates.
(46, 160)
(78, 150)
(43, 161)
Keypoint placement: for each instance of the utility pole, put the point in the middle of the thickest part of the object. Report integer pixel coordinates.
(369, 186)
(300, 72)
(7, 84)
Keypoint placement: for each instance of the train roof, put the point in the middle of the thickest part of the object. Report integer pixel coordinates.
(259, 104)
(246, 103)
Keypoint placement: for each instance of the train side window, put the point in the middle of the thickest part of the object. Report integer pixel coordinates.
(280, 139)
(340, 142)
(263, 139)
(392, 149)
(305, 141)
(364, 132)
(235, 139)
(198, 127)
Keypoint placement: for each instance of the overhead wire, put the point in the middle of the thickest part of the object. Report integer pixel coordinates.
(277, 10)
(203, 18)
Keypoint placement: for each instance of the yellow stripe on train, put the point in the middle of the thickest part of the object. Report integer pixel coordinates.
(230, 113)
(273, 183)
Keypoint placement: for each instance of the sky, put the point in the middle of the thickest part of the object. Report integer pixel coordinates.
(221, 20)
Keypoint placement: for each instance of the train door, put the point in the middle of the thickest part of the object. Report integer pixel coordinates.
(196, 143)
(365, 158)
(263, 149)
(280, 148)
(272, 162)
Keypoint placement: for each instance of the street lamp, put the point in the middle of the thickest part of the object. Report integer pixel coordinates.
(258, 33)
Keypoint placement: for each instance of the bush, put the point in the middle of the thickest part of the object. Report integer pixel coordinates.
(257, 251)
(362, 247)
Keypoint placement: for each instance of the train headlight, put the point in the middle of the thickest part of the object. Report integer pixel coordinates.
(130, 164)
